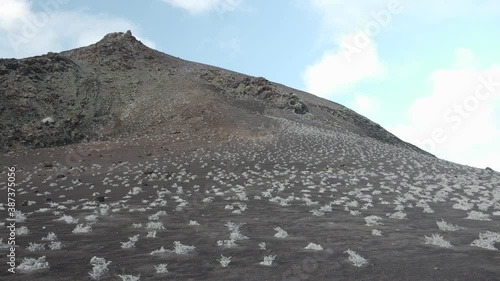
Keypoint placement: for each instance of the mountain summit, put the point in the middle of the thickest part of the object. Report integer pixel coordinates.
(118, 87)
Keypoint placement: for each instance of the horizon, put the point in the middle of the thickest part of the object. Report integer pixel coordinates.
(386, 60)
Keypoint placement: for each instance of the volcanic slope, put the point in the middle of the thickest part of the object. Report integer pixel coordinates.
(238, 185)
(119, 87)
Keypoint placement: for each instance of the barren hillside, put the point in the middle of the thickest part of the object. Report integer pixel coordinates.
(118, 87)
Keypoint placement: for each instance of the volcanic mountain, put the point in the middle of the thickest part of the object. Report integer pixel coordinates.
(120, 87)
(136, 165)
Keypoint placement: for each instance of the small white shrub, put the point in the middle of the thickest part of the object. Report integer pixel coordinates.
(68, 219)
(232, 226)
(399, 208)
(262, 245)
(429, 210)
(397, 215)
(33, 247)
(131, 242)
(20, 217)
(161, 268)
(50, 237)
(376, 232)
(268, 260)
(81, 228)
(155, 225)
(317, 213)
(326, 208)
(31, 264)
(136, 190)
(445, 226)
(159, 251)
(99, 267)
(161, 213)
(280, 232)
(91, 218)
(487, 240)
(485, 244)
(437, 240)
(479, 216)
(356, 259)
(55, 245)
(182, 249)
(373, 220)
(23, 230)
(224, 261)
(227, 243)
(236, 235)
(312, 246)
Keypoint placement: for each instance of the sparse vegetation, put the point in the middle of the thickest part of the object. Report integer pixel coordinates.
(228, 187)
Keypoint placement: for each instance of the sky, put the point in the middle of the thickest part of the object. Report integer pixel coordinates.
(427, 71)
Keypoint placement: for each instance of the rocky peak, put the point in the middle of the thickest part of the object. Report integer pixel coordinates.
(116, 37)
(117, 49)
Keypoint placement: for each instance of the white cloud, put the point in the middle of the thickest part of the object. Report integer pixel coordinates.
(367, 106)
(27, 30)
(344, 17)
(470, 137)
(353, 26)
(11, 11)
(354, 14)
(202, 6)
(340, 69)
(435, 11)
(457, 120)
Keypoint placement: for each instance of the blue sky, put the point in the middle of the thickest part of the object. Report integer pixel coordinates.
(426, 71)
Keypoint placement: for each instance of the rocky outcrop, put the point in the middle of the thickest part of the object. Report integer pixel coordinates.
(257, 88)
